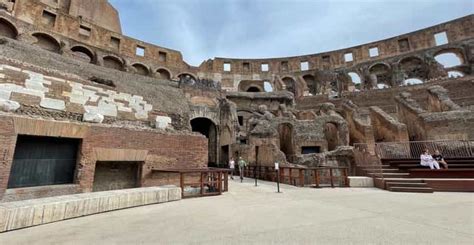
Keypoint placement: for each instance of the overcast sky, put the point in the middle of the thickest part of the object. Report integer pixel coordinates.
(203, 29)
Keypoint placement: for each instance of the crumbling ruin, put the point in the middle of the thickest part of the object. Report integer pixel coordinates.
(123, 107)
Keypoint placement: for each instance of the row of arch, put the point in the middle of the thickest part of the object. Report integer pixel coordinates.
(86, 54)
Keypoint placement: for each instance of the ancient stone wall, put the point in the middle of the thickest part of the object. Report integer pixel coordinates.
(154, 149)
(386, 128)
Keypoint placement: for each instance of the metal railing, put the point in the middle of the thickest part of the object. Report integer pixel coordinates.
(413, 149)
(300, 176)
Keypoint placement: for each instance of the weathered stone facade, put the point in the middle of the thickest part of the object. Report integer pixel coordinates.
(66, 71)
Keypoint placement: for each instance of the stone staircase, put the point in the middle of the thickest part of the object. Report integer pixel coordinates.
(396, 180)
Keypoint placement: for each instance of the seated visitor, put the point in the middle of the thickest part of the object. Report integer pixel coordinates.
(440, 159)
(427, 160)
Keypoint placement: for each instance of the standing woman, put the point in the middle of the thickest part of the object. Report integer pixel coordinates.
(232, 167)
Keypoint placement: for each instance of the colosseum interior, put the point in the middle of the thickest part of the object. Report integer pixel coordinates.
(85, 108)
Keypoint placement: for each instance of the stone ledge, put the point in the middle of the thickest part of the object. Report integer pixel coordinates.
(21, 214)
(361, 181)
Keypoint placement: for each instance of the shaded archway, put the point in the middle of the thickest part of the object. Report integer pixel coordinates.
(290, 84)
(140, 69)
(47, 42)
(83, 53)
(313, 87)
(207, 128)
(187, 78)
(413, 67)
(332, 136)
(7, 29)
(164, 74)
(113, 62)
(285, 131)
(382, 73)
(253, 89)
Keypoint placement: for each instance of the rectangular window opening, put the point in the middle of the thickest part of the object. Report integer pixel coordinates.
(246, 66)
(241, 120)
(49, 19)
(348, 57)
(162, 56)
(264, 67)
(304, 65)
(140, 51)
(326, 59)
(403, 45)
(441, 38)
(284, 65)
(84, 31)
(374, 52)
(227, 67)
(115, 42)
(310, 149)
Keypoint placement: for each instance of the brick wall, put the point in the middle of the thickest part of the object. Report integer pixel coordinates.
(157, 149)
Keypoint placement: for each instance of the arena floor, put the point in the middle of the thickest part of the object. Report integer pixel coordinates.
(258, 215)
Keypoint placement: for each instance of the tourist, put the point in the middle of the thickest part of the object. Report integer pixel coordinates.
(427, 160)
(242, 164)
(440, 159)
(232, 167)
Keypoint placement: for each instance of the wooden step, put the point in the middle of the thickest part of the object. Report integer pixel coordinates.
(411, 189)
(405, 184)
(403, 180)
(389, 175)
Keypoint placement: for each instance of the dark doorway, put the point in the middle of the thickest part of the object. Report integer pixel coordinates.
(43, 161)
(285, 131)
(332, 136)
(207, 128)
(225, 155)
(310, 149)
(253, 89)
(116, 175)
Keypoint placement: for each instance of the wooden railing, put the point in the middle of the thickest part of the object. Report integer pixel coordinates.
(200, 182)
(299, 176)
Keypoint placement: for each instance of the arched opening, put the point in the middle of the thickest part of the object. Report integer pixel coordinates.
(311, 83)
(449, 59)
(140, 69)
(334, 90)
(83, 53)
(412, 81)
(7, 29)
(187, 78)
(413, 67)
(285, 131)
(382, 73)
(332, 136)
(207, 128)
(267, 86)
(253, 89)
(164, 74)
(290, 84)
(355, 78)
(47, 42)
(113, 63)
(455, 74)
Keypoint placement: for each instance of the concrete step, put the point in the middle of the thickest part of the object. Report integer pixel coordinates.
(411, 189)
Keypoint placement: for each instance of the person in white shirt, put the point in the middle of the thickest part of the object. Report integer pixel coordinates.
(427, 160)
(232, 167)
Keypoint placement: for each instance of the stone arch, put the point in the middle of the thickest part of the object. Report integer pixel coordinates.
(47, 42)
(164, 73)
(112, 62)
(187, 77)
(356, 80)
(141, 69)
(311, 83)
(208, 128)
(252, 85)
(83, 53)
(254, 89)
(290, 84)
(380, 74)
(413, 67)
(447, 57)
(8, 29)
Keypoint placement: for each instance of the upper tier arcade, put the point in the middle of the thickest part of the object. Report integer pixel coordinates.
(78, 29)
